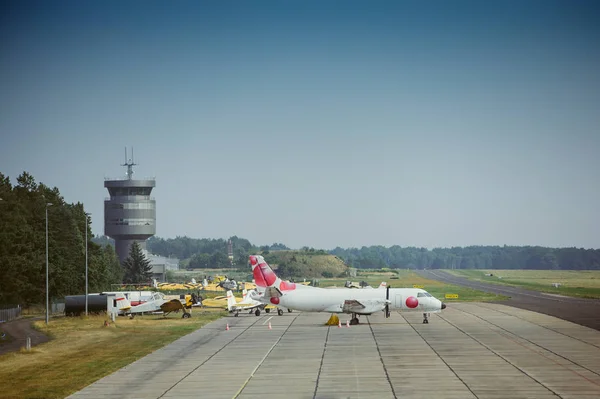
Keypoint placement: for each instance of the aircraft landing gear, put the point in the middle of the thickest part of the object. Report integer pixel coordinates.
(289, 310)
(236, 314)
(354, 320)
(425, 319)
(186, 315)
(257, 312)
(268, 310)
(280, 312)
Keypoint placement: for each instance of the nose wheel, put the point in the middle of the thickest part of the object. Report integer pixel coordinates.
(425, 318)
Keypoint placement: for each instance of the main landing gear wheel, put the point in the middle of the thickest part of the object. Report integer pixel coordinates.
(236, 314)
(268, 310)
(186, 316)
(257, 312)
(425, 319)
(354, 320)
(289, 310)
(280, 312)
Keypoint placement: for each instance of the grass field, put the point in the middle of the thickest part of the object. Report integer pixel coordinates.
(83, 350)
(577, 283)
(407, 278)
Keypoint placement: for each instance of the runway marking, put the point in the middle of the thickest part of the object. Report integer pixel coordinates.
(210, 357)
(530, 341)
(497, 354)
(387, 376)
(264, 358)
(548, 328)
(322, 360)
(438, 355)
(265, 322)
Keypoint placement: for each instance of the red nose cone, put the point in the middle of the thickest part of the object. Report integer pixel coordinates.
(412, 302)
(275, 301)
(253, 260)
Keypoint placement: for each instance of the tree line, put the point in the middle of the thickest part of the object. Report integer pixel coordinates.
(472, 257)
(208, 252)
(212, 253)
(23, 245)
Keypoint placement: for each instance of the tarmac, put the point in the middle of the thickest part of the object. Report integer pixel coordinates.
(470, 350)
(578, 310)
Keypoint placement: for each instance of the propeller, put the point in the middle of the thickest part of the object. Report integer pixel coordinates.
(387, 305)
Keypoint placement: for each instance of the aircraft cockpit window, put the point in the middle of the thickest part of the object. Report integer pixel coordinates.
(421, 295)
(428, 294)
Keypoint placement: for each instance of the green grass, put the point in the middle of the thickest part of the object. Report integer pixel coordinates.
(575, 283)
(406, 279)
(83, 350)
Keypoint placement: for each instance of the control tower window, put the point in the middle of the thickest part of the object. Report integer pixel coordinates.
(126, 191)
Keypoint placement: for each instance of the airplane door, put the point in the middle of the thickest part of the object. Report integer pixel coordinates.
(398, 301)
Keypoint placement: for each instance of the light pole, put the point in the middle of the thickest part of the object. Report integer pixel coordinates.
(47, 312)
(86, 262)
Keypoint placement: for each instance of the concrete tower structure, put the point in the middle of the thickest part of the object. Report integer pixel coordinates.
(130, 212)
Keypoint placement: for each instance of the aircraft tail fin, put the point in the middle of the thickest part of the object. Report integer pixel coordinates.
(265, 277)
(230, 300)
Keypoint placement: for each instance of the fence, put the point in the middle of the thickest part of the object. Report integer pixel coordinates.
(8, 314)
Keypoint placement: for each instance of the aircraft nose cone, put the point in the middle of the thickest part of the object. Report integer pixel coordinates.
(443, 306)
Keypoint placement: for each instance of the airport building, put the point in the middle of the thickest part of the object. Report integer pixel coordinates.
(160, 266)
(130, 211)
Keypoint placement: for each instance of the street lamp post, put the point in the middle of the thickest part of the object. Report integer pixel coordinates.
(86, 262)
(47, 301)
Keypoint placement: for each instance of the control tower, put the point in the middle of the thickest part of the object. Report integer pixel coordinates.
(130, 212)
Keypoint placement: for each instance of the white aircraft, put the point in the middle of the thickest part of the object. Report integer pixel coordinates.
(343, 300)
(247, 303)
(157, 303)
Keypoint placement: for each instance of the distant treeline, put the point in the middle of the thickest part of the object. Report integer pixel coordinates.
(208, 253)
(213, 253)
(23, 245)
(473, 257)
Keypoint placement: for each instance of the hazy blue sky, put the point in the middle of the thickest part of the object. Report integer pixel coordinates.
(316, 123)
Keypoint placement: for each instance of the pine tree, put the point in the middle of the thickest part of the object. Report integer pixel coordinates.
(137, 268)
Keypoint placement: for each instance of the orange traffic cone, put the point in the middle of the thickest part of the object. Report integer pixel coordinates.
(227, 328)
(339, 324)
(348, 323)
(270, 326)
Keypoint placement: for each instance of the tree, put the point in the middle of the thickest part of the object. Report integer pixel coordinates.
(137, 266)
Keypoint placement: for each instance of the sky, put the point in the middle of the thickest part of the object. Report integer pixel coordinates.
(315, 123)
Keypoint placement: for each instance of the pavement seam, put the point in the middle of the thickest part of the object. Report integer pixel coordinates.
(322, 360)
(531, 342)
(207, 359)
(264, 358)
(387, 376)
(547, 328)
(438, 355)
(497, 354)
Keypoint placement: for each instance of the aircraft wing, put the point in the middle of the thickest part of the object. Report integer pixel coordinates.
(364, 306)
(272, 292)
(246, 307)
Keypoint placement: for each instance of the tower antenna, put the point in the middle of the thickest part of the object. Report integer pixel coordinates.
(129, 164)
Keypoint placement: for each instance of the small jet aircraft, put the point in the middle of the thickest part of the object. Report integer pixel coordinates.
(344, 300)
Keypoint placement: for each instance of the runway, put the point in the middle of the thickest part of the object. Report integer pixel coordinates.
(578, 310)
(471, 350)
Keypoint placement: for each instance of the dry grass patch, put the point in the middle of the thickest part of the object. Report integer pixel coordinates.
(84, 350)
